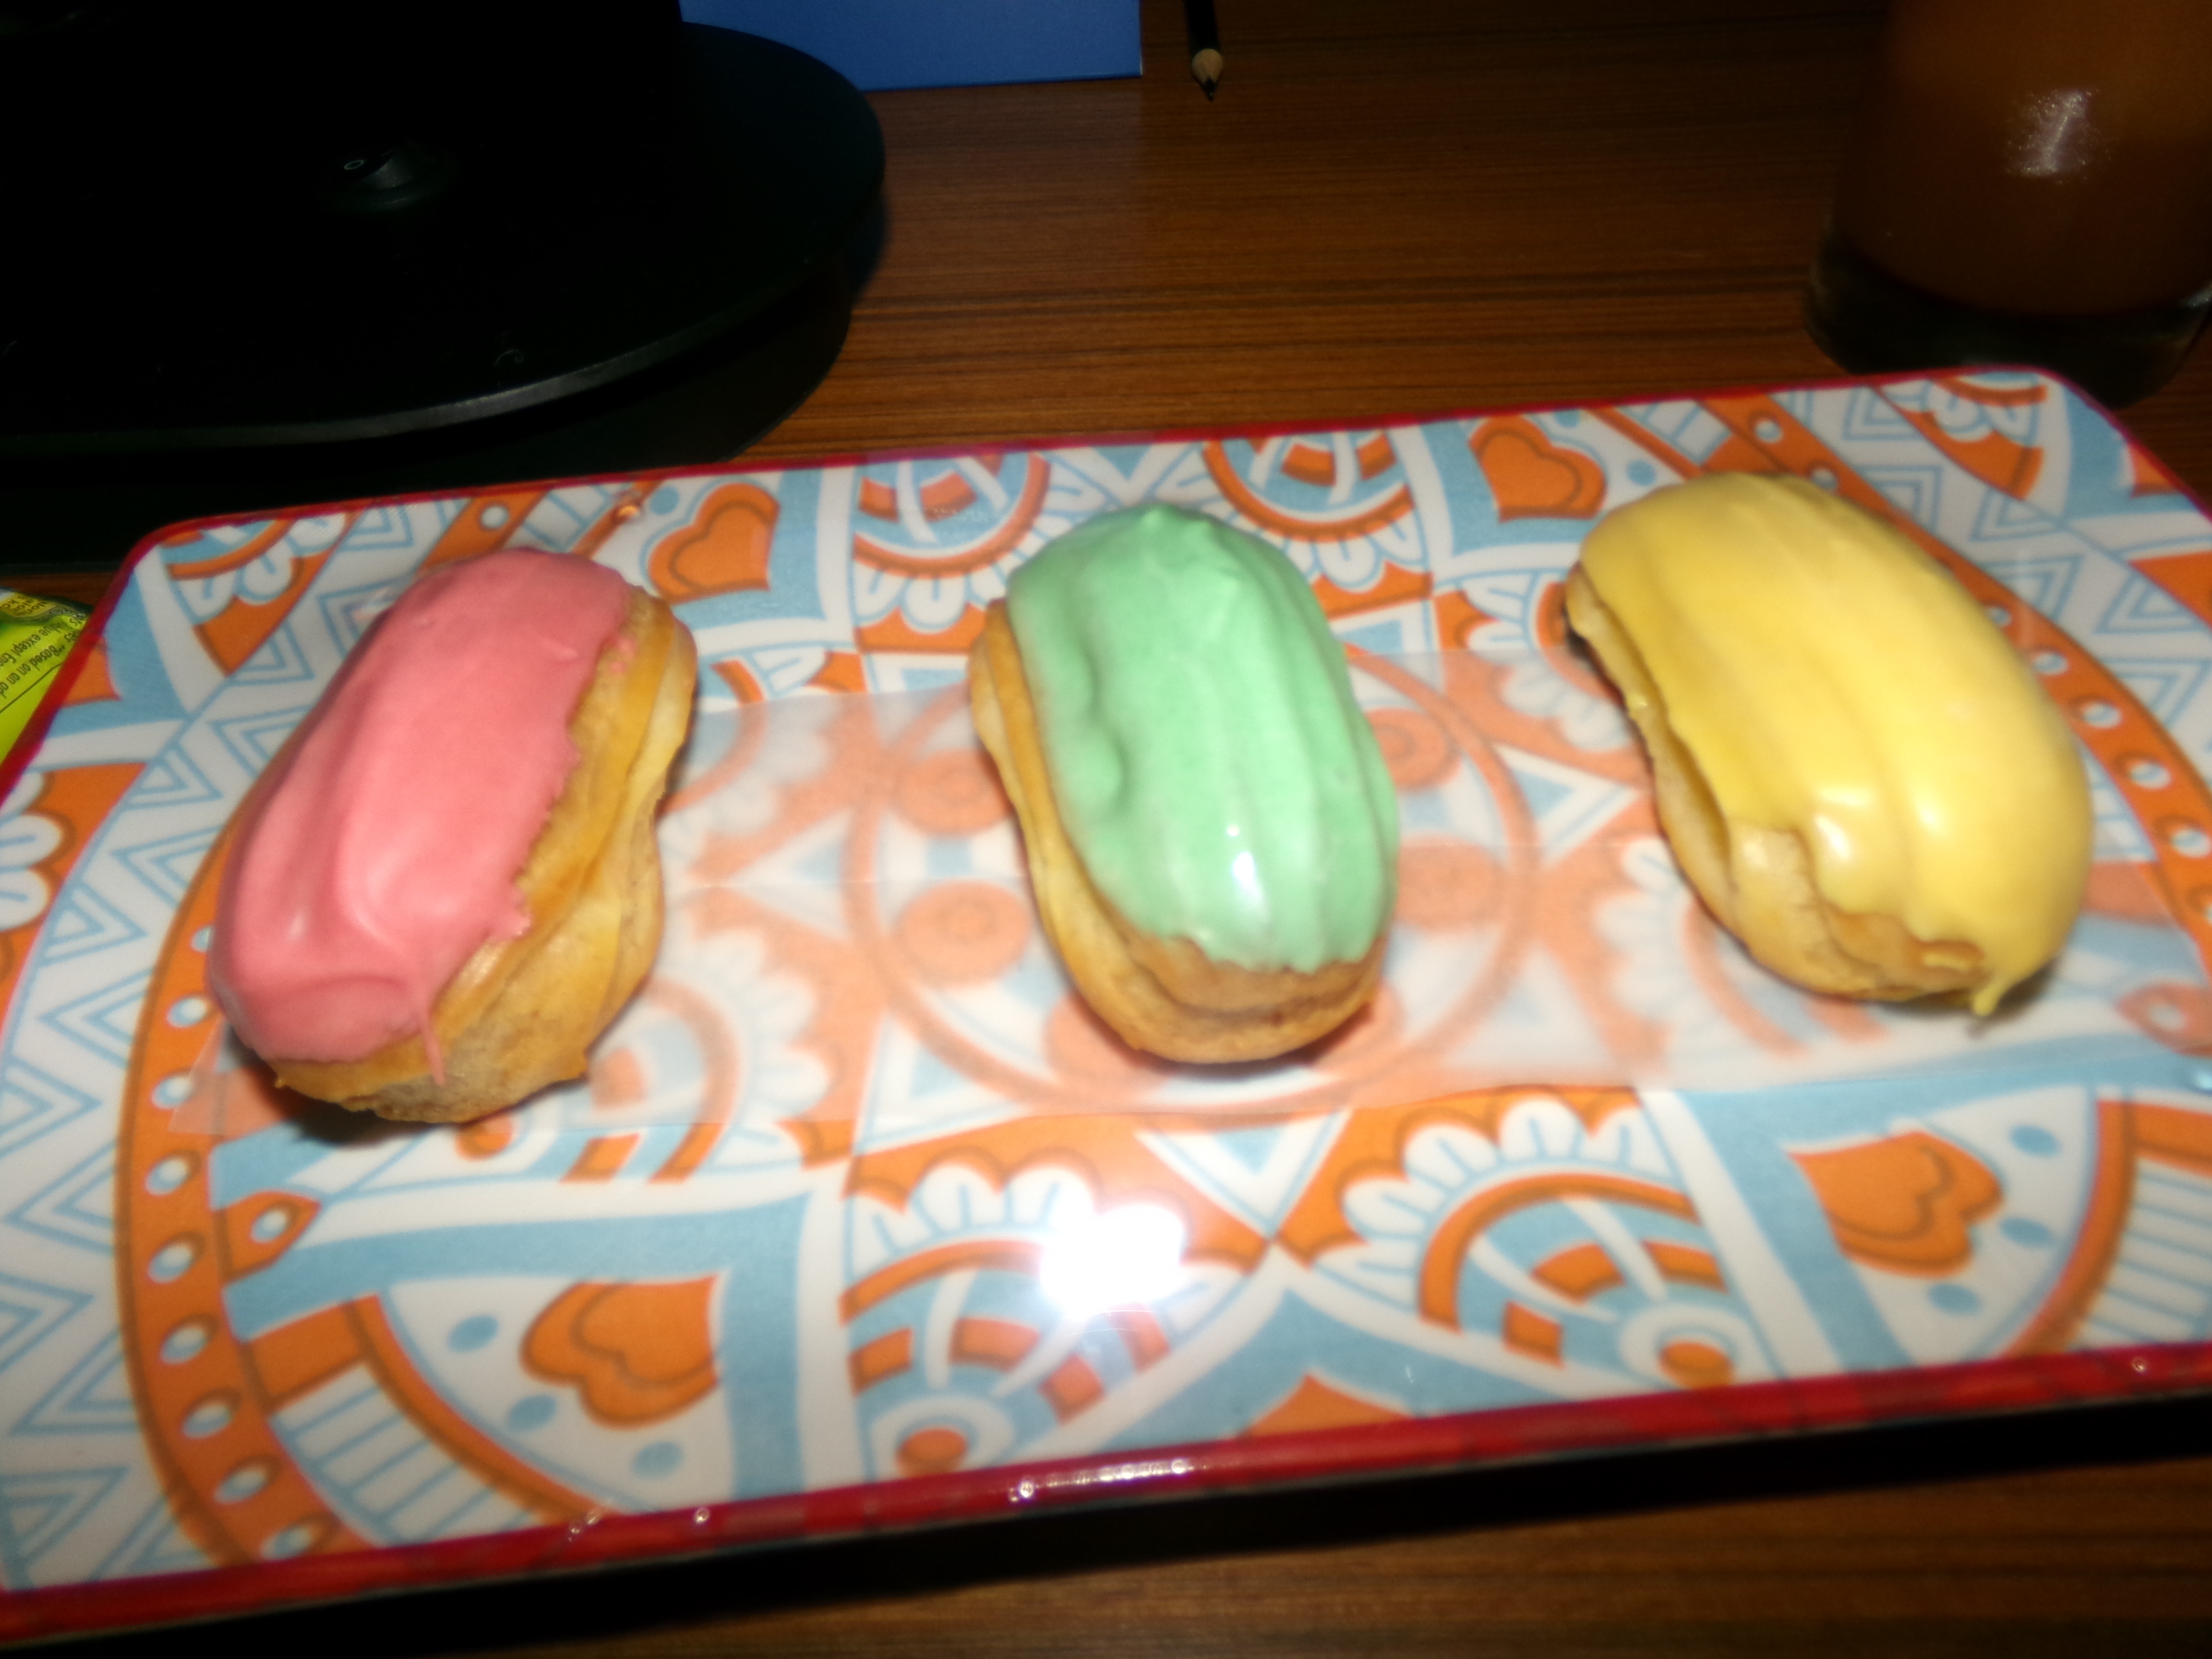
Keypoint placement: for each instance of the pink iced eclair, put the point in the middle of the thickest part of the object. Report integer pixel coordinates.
(446, 884)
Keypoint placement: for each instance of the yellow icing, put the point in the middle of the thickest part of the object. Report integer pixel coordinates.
(1832, 680)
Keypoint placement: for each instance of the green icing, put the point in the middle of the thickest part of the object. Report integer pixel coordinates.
(1206, 753)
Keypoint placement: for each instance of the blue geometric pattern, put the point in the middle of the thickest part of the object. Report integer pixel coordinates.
(82, 921)
(93, 1396)
(30, 1312)
(2142, 607)
(156, 1544)
(104, 1019)
(38, 1511)
(31, 1103)
(78, 1209)
(389, 1479)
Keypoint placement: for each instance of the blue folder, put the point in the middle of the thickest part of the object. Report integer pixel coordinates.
(879, 45)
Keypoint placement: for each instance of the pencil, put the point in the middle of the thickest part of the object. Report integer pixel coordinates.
(1206, 62)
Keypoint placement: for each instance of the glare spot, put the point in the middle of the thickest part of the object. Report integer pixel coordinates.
(2055, 137)
(1117, 1259)
(1245, 873)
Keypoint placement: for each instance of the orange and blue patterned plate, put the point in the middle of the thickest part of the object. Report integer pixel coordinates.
(860, 1221)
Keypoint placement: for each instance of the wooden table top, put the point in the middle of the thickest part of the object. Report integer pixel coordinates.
(1392, 209)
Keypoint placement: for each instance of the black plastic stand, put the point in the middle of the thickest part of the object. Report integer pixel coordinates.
(457, 258)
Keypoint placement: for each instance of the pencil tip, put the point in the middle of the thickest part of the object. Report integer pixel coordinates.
(1206, 66)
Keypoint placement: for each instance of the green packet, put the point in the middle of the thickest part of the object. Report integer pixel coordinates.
(35, 638)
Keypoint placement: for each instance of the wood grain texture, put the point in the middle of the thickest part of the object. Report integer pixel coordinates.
(1409, 206)
(1425, 213)
(1791, 1575)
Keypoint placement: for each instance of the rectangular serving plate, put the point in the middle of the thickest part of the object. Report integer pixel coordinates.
(256, 1355)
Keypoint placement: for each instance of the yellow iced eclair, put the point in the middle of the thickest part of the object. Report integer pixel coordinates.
(1856, 771)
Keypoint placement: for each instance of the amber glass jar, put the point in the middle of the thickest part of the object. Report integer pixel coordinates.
(2029, 182)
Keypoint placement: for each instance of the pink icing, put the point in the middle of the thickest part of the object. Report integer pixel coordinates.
(387, 849)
